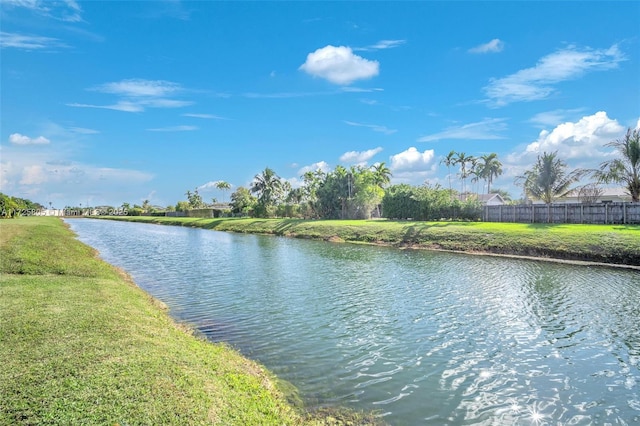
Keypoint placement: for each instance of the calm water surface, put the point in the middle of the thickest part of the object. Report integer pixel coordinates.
(420, 337)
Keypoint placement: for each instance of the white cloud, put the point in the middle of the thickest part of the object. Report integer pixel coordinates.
(33, 175)
(320, 165)
(28, 42)
(487, 129)
(360, 89)
(120, 106)
(339, 65)
(139, 88)
(359, 156)
(552, 118)
(66, 10)
(83, 131)
(584, 138)
(374, 127)
(18, 139)
(537, 82)
(412, 159)
(494, 46)
(174, 129)
(137, 94)
(382, 44)
(205, 116)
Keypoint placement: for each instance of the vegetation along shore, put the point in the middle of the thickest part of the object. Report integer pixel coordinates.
(611, 244)
(81, 344)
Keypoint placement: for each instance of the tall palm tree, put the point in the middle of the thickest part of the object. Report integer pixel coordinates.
(381, 174)
(548, 179)
(223, 186)
(462, 159)
(625, 170)
(268, 187)
(489, 167)
(448, 161)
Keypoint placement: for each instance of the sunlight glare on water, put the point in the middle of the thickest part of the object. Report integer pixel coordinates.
(420, 337)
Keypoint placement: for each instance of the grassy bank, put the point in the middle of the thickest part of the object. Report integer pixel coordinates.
(613, 244)
(81, 344)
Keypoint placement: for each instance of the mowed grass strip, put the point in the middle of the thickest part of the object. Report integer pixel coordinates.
(80, 344)
(613, 244)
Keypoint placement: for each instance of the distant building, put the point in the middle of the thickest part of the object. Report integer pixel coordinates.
(484, 199)
(607, 195)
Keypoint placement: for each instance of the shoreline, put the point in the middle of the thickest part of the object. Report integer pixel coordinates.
(83, 343)
(593, 245)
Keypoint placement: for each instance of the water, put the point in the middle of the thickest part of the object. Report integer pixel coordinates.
(421, 337)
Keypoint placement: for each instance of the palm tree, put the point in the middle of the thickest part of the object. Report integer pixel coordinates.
(462, 159)
(448, 161)
(548, 180)
(223, 186)
(489, 167)
(381, 174)
(625, 170)
(268, 187)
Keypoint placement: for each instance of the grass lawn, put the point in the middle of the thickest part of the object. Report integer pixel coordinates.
(613, 244)
(81, 344)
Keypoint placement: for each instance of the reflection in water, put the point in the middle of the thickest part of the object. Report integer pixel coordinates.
(422, 337)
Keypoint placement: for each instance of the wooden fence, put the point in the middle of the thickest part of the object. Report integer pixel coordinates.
(605, 213)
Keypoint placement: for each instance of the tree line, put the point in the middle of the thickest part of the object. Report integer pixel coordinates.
(361, 192)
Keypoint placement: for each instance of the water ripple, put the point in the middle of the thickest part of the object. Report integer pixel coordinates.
(425, 338)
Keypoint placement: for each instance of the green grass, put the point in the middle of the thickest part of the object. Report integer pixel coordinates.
(614, 244)
(81, 344)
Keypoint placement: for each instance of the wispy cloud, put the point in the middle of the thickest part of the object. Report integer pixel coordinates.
(339, 65)
(538, 82)
(285, 95)
(120, 106)
(139, 88)
(382, 44)
(18, 139)
(489, 128)
(374, 127)
(553, 118)
(174, 129)
(29, 42)
(138, 94)
(359, 156)
(205, 116)
(66, 10)
(83, 131)
(360, 89)
(494, 46)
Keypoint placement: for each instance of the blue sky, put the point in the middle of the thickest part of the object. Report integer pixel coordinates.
(105, 102)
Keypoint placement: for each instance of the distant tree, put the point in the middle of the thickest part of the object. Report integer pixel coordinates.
(590, 193)
(463, 161)
(548, 179)
(449, 161)
(223, 186)
(182, 206)
(195, 199)
(489, 167)
(626, 169)
(268, 186)
(146, 206)
(381, 174)
(242, 201)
